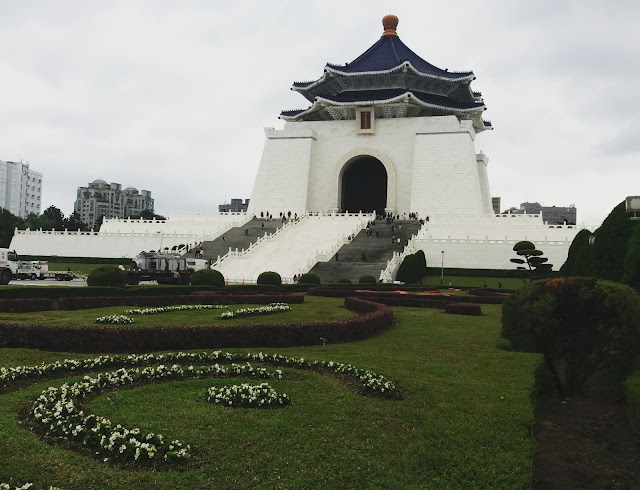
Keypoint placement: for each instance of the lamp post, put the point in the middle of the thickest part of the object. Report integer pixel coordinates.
(442, 269)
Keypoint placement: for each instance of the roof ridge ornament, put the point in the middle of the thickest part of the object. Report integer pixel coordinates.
(390, 23)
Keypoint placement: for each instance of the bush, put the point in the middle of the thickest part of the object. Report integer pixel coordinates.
(367, 279)
(463, 309)
(107, 276)
(309, 278)
(207, 277)
(581, 325)
(269, 277)
(632, 386)
(344, 281)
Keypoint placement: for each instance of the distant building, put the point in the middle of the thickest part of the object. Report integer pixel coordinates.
(495, 205)
(552, 215)
(20, 188)
(236, 206)
(111, 201)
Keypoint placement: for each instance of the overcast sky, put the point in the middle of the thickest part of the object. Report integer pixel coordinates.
(172, 97)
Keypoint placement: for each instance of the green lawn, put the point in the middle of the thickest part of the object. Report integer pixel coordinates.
(330, 309)
(475, 282)
(465, 420)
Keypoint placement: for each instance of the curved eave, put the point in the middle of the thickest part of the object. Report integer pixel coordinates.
(331, 71)
(321, 102)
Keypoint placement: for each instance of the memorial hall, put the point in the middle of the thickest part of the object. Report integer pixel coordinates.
(385, 135)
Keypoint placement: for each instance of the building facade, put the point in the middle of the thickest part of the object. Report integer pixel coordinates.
(20, 188)
(100, 199)
(236, 206)
(551, 215)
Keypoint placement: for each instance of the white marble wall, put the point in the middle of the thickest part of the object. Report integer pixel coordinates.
(431, 165)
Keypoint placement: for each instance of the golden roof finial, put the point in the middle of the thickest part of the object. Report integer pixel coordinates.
(390, 22)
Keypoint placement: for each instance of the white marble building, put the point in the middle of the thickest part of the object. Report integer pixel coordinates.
(389, 133)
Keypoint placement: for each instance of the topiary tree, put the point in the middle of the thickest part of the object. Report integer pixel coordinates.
(537, 265)
(270, 277)
(631, 274)
(367, 279)
(579, 256)
(207, 277)
(580, 325)
(107, 276)
(309, 278)
(421, 265)
(344, 281)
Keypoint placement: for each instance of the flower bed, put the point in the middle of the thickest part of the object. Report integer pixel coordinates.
(261, 310)
(58, 413)
(167, 309)
(247, 396)
(114, 320)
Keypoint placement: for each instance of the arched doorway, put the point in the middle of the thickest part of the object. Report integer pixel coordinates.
(364, 186)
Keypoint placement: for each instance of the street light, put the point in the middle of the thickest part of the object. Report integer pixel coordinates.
(442, 269)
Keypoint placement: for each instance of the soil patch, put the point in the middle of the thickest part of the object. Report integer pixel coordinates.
(585, 443)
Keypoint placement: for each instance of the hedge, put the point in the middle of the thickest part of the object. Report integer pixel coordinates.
(46, 304)
(632, 388)
(372, 319)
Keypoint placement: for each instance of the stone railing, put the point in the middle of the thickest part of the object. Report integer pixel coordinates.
(389, 273)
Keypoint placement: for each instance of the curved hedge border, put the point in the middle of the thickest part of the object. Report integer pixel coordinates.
(372, 319)
(84, 303)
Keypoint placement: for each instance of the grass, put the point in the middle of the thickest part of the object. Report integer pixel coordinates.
(314, 307)
(465, 420)
(475, 282)
(76, 267)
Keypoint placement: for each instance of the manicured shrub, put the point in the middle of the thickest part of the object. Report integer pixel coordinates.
(421, 264)
(367, 279)
(270, 277)
(309, 278)
(344, 281)
(463, 309)
(107, 276)
(405, 271)
(632, 389)
(580, 324)
(207, 277)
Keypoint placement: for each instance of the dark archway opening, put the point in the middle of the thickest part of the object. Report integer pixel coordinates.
(364, 186)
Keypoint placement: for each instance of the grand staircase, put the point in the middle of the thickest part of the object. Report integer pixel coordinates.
(236, 238)
(378, 248)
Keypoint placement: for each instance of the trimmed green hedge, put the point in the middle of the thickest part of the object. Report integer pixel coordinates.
(108, 275)
(207, 277)
(270, 277)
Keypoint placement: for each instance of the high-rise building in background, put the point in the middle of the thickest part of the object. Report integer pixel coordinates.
(111, 201)
(20, 188)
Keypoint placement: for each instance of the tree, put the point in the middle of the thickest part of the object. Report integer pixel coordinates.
(55, 216)
(148, 215)
(8, 223)
(580, 325)
(537, 266)
(73, 222)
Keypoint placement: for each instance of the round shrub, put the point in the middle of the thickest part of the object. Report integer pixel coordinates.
(463, 309)
(344, 281)
(207, 277)
(270, 277)
(107, 276)
(581, 325)
(367, 279)
(309, 278)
